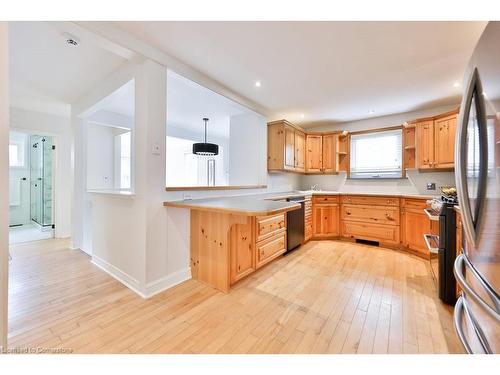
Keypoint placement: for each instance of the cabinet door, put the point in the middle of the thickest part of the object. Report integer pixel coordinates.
(242, 260)
(275, 147)
(415, 225)
(314, 163)
(425, 145)
(444, 140)
(300, 149)
(329, 153)
(326, 220)
(289, 148)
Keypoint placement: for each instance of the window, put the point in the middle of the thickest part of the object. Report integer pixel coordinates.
(377, 154)
(16, 154)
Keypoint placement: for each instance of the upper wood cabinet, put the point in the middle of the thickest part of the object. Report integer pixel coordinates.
(289, 148)
(314, 153)
(435, 141)
(444, 141)
(285, 147)
(300, 148)
(425, 144)
(329, 154)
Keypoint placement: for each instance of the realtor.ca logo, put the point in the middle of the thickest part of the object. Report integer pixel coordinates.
(34, 350)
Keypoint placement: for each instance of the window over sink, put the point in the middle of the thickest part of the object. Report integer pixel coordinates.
(376, 154)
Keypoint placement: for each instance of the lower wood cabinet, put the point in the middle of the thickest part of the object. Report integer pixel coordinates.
(414, 224)
(271, 248)
(326, 220)
(308, 220)
(387, 234)
(242, 259)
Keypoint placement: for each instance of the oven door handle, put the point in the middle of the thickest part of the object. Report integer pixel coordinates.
(463, 262)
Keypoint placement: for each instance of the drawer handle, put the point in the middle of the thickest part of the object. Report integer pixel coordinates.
(389, 217)
(348, 213)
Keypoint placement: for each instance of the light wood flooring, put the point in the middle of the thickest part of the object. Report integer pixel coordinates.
(326, 297)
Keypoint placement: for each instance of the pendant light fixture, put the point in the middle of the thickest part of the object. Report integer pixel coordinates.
(205, 149)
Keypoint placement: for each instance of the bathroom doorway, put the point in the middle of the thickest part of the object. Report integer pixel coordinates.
(31, 187)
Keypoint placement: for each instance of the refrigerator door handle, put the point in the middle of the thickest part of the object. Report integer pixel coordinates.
(461, 309)
(473, 98)
(460, 263)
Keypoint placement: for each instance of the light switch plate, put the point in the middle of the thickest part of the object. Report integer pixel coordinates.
(155, 149)
(431, 186)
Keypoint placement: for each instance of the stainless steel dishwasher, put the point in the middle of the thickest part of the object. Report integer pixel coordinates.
(295, 224)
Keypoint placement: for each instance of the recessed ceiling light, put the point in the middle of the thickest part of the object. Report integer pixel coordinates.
(71, 40)
(257, 84)
(302, 115)
(371, 112)
(456, 84)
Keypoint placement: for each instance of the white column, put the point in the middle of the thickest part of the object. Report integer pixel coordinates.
(4, 178)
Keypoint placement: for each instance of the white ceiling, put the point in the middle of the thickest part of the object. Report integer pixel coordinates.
(328, 71)
(47, 74)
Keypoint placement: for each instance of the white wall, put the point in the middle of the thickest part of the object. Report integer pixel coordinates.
(20, 214)
(4, 178)
(100, 156)
(416, 182)
(59, 127)
(247, 163)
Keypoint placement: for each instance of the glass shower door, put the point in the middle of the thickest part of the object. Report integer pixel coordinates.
(41, 179)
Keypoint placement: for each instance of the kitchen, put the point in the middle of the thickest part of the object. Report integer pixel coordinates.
(248, 212)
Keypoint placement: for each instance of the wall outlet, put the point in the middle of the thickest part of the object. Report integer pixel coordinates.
(431, 186)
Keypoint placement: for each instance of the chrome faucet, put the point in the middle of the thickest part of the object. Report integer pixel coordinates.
(315, 187)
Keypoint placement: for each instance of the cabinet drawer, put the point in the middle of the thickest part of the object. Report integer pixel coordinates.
(373, 232)
(325, 199)
(269, 225)
(369, 200)
(370, 214)
(415, 203)
(271, 248)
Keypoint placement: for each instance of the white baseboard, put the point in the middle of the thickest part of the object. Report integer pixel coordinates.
(119, 275)
(167, 282)
(152, 288)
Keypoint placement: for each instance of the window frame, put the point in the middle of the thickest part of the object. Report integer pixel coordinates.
(377, 130)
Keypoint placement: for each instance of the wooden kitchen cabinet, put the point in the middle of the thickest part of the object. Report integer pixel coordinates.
(289, 147)
(300, 151)
(435, 141)
(329, 157)
(308, 220)
(314, 153)
(425, 144)
(444, 141)
(325, 220)
(414, 224)
(285, 147)
(242, 259)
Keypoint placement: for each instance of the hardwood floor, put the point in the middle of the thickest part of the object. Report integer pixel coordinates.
(326, 297)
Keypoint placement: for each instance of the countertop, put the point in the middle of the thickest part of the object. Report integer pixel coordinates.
(265, 204)
(249, 205)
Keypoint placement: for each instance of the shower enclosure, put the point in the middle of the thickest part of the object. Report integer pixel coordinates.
(41, 179)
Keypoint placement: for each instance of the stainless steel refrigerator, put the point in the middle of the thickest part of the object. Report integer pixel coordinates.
(477, 173)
